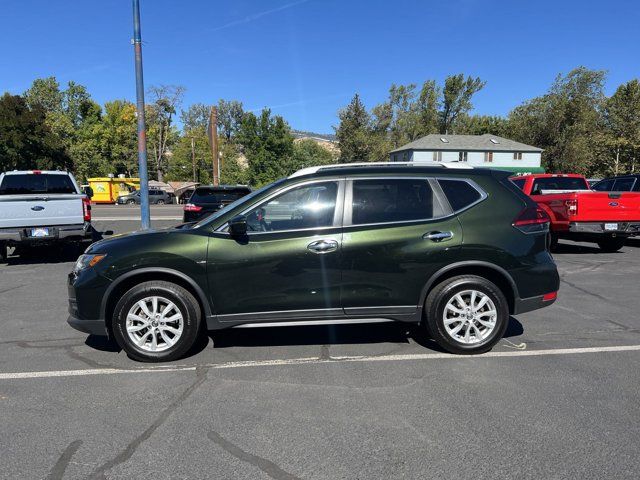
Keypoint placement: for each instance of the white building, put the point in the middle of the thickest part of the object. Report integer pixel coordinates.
(486, 150)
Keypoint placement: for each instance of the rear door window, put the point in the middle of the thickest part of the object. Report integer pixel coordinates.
(393, 200)
(624, 184)
(604, 186)
(460, 193)
(30, 183)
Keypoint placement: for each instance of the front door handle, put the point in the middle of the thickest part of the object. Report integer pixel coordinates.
(323, 246)
(438, 236)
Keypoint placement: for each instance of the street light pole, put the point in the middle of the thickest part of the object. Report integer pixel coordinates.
(145, 219)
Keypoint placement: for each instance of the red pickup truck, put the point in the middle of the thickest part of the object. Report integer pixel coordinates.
(581, 214)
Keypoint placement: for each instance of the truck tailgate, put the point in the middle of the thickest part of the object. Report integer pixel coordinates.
(40, 210)
(605, 206)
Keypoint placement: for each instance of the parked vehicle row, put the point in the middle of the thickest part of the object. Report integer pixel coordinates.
(206, 200)
(454, 250)
(578, 213)
(156, 197)
(39, 207)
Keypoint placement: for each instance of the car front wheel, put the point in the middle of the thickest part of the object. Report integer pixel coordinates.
(466, 314)
(156, 321)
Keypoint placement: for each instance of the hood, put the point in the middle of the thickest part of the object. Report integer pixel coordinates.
(139, 237)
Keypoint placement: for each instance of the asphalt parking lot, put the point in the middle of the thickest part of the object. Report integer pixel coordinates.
(557, 398)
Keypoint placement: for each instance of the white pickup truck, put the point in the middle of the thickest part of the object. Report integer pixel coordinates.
(42, 207)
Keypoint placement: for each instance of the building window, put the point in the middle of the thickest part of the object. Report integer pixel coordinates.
(437, 156)
(488, 157)
(462, 156)
(404, 157)
(517, 155)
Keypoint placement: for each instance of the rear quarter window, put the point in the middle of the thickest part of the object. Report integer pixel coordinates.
(519, 182)
(460, 193)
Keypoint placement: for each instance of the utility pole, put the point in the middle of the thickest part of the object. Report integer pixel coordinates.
(213, 139)
(145, 216)
(193, 157)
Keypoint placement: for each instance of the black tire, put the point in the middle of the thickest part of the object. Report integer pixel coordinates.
(160, 202)
(553, 242)
(437, 300)
(131, 202)
(184, 301)
(611, 245)
(3, 252)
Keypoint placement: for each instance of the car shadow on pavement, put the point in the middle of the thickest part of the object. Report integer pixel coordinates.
(332, 335)
(102, 343)
(575, 248)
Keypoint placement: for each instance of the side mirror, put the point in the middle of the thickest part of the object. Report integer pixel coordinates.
(88, 191)
(238, 226)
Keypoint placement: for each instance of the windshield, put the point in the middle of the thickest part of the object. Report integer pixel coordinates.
(27, 183)
(233, 205)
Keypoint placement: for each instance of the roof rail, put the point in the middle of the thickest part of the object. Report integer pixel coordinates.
(419, 163)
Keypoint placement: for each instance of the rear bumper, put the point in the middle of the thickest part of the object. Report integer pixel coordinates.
(56, 233)
(523, 305)
(627, 229)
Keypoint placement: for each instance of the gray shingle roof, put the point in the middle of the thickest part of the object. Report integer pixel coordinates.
(486, 142)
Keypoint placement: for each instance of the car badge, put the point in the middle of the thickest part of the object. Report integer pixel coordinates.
(613, 204)
(37, 208)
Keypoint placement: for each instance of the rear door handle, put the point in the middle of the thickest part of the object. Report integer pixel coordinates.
(438, 236)
(325, 245)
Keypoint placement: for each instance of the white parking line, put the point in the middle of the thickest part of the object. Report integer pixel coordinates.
(133, 219)
(316, 360)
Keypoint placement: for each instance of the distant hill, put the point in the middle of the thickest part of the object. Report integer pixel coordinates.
(322, 136)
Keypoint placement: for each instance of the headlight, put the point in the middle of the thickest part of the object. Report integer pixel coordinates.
(87, 260)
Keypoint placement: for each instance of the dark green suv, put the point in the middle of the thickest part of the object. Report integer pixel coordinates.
(456, 250)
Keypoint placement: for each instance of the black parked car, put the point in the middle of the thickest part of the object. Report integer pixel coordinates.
(156, 197)
(209, 199)
(623, 183)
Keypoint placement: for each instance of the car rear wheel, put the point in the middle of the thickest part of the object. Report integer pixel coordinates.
(131, 202)
(611, 245)
(466, 314)
(160, 202)
(156, 321)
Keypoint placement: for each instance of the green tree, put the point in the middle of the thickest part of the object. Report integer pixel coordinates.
(268, 145)
(481, 124)
(619, 137)
(230, 113)
(117, 136)
(354, 132)
(307, 153)
(457, 94)
(564, 122)
(161, 133)
(26, 141)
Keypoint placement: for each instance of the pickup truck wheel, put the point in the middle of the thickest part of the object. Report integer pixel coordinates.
(3, 252)
(611, 245)
(156, 321)
(553, 242)
(466, 314)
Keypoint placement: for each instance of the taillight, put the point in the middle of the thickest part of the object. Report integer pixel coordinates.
(86, 209)
(548, 297)
(532, 220)
(572, 206)
(190, 207)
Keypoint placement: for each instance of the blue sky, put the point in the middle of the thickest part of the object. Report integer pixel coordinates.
(306, 58)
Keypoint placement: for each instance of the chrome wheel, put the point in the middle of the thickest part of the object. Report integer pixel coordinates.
(154, 324)
(469, 316)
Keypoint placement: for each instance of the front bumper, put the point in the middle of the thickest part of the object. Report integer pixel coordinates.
(628, 229)
(92, 327)
(56, 233)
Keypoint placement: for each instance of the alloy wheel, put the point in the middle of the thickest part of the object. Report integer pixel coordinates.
(470, 316)
(154, 324)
